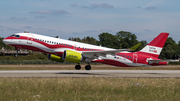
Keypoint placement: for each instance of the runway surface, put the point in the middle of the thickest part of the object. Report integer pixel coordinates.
(92, 73)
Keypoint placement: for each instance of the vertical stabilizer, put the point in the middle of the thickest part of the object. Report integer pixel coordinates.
(154, 48)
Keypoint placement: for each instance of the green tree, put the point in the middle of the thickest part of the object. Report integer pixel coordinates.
(179, 43)
(126, 39)
(143, 44)
(170, 49)
(89, 40)
(108, 40)
(75, 39)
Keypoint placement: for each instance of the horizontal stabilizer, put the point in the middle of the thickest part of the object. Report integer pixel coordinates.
(157, 61)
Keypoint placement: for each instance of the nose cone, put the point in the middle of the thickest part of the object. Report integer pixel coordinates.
(6, 41)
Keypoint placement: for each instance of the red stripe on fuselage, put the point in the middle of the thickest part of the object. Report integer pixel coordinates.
(52, 46)
(115, 63)
(37, 49)
(148, 54)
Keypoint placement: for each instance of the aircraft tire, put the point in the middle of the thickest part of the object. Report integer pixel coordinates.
(16, 55)
(77, 67)
(88, 67)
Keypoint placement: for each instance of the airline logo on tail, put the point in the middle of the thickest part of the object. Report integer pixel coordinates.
(154, 48)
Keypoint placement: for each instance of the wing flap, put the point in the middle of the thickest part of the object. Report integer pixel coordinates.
(96, 54)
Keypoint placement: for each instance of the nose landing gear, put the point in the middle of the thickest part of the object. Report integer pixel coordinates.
(16, 54)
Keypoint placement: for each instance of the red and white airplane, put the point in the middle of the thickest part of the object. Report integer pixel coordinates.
(65, 50)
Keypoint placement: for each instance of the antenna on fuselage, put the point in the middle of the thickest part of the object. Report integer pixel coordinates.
(26, 32)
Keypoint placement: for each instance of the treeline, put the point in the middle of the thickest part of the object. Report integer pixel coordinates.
(120, 40)
(125, 39)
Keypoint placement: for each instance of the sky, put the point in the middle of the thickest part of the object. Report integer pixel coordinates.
(81, 18)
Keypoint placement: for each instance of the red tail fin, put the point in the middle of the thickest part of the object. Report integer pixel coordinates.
(160, 40)
(155, 46)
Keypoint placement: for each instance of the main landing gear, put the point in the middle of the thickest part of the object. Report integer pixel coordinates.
(78, 67)
(16, 54)
(88, 67)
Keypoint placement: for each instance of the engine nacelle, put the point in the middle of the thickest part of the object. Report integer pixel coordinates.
(55, 58)
(72, 56)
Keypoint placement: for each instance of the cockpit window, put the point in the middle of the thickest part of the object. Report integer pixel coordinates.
(17, 36)
(12, 35)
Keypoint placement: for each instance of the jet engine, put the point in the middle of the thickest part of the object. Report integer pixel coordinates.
(55, 58)
(72, 56)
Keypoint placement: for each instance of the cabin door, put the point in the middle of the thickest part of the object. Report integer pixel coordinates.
(29, 39)
(135, 57)
(75, 46)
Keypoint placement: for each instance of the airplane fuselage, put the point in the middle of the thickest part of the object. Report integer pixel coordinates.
(57, 46)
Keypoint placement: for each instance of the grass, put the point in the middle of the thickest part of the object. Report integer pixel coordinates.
(89, 89)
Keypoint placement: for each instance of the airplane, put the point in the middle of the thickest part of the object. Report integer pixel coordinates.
(65, 50)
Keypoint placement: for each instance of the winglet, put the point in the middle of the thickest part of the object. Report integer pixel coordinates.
(135, 47)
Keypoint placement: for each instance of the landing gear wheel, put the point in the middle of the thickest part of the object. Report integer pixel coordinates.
(16, 55)
(77, 67)
(88, 67)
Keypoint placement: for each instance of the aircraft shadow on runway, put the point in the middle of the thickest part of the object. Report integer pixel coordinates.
(80, 73)
(107, 74)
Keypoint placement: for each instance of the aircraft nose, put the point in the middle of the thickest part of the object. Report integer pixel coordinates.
(6, 41)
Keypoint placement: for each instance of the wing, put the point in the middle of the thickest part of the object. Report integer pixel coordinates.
(95, 54)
